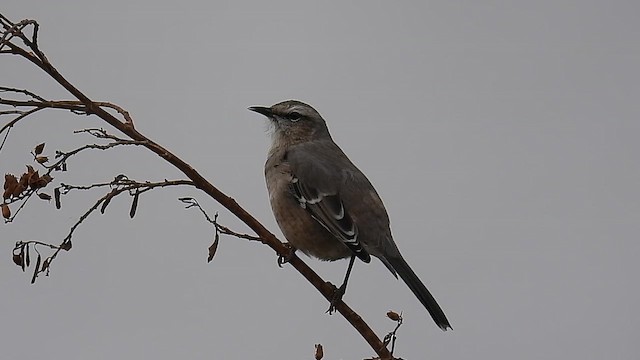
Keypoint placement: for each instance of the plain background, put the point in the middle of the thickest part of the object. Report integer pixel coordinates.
(502, 136)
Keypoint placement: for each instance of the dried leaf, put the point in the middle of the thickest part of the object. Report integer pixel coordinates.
(213, 248)
(134, 205)
(6, 212)
(39, 149)
(9, 180)
(56, 195)
(37, 269)
(19, 189)
(34, 177)
(24, 180)
(44, 196)
(28, 258)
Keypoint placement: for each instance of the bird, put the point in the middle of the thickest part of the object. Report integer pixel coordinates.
(324, 205)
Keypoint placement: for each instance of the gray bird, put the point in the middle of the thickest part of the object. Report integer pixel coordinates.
(325, 206)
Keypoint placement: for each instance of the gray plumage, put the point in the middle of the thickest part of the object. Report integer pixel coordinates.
(325, 206)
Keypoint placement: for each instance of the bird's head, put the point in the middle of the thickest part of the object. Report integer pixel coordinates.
(294, 122)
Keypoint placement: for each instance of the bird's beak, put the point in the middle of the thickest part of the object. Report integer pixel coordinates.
(262, 110)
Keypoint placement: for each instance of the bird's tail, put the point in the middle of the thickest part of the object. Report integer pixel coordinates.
(417, 287)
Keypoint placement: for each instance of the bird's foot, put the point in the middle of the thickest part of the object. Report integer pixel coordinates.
(338, 293)
(283, 259)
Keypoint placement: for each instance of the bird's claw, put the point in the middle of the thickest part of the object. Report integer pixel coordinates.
(338, 293)
(283, 259)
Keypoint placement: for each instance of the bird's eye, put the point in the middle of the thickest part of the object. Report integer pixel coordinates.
(294, 116)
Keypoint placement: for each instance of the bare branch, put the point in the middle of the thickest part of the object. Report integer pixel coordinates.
(30, 51)
(121, 184)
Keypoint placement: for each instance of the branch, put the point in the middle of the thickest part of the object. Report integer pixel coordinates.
(31, 52)
(121, 184)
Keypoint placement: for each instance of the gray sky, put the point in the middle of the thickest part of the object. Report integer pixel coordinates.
(502, 136)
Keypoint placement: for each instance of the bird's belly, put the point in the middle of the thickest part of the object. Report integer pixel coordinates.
(302, 231)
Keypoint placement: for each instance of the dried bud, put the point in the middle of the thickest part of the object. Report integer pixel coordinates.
(319, 352)
(393, 315)
(6, 212)
(42, 159)
(66, 245)
(44, 196)
(39, 149)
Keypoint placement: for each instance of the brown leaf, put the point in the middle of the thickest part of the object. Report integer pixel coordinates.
(10, 180)
(44, 196)
(40, 183)
(33, 179)
(19, 189)
(39, 149)
(6, 212)
(11, 186)
(24, 180)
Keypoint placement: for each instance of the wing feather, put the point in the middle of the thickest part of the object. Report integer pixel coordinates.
(329, 211)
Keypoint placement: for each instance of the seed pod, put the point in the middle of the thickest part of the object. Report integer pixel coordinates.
(393, 315)
(319, 352)
(6, 212)
(42, 159)
(18, 259)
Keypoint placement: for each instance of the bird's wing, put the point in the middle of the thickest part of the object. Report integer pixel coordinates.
(316, 184)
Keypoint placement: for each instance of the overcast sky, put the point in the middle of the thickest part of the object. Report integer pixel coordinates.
(502, 136)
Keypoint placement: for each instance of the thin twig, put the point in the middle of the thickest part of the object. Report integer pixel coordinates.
(191, 202)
